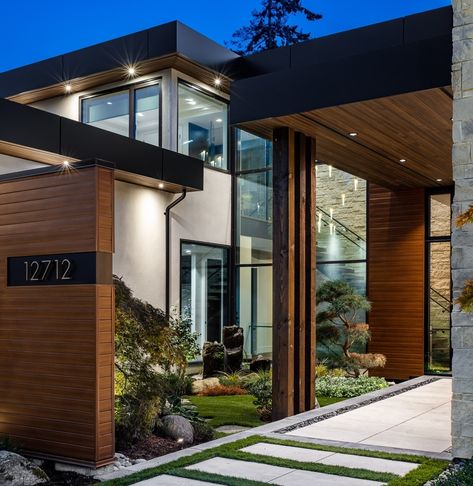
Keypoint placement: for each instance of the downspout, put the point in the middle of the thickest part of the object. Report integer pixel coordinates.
(167, 213)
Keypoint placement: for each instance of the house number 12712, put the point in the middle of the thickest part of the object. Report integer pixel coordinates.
(41, 270)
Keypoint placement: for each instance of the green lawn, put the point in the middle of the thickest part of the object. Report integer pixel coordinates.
(236, 409)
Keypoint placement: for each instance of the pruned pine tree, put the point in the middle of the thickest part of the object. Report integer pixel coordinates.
(338, 330)
(269, 27)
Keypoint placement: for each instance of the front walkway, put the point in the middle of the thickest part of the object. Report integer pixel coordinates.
(366, 441)
(418, 420)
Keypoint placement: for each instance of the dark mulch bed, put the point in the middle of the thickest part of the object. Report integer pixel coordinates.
(59, 478)
(152, 447)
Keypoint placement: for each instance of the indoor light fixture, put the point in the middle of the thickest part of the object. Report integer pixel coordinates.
(140, 114)
(67, 88)
(219, 120)
(353, 134)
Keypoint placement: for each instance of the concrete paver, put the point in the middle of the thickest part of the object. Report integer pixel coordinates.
(165, 480)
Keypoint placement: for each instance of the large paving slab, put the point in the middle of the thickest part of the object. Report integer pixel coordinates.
(275, 474)
(418, 419)
(302, 454)
(165, 480)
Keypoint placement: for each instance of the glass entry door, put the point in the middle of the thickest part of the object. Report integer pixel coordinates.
(204, 288)
(439, 292)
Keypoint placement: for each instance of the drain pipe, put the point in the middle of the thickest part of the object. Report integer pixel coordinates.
(167, 213)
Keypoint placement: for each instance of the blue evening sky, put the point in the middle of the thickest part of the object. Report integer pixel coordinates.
(32, 30)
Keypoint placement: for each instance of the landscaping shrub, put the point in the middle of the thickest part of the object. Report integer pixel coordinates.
(219, 390)
(151, 353)
(323, 370)
(260, 386)
(203, 432)
(347, 387)
(238, 379)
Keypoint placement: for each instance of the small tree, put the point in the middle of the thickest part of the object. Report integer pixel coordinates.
(269, 28)
(465, 299)
(338, 331)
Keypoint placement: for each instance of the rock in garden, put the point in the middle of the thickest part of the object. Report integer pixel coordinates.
(16, 470)
(177, 427)
(260, 363)
(213, 357)
(198, 386)
(233, 343)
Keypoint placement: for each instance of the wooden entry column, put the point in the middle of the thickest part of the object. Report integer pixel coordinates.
(294, 247)
(57, 312)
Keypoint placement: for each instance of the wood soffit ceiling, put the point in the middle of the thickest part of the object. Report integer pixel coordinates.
(415, 126)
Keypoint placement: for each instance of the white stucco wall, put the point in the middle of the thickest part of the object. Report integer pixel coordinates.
(140, 232)
(67, 105)
(10, 164)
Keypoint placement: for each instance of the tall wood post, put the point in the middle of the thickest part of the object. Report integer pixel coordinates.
(294, 249)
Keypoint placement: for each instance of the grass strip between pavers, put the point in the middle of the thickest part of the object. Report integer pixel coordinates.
(215, 478)
(428, 468)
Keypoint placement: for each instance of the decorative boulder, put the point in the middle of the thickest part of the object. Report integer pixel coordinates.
(16, 470)
(260, 363)
(233, 342)
(213, 356)
(178, 428)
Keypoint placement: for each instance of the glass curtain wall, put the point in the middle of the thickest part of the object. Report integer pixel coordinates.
(134, 112)
(439, 292)
(204, 289)
(253, 242)
(203, 127)
(341, 231)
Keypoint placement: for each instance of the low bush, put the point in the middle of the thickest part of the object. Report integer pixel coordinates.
(238, 379)
(346, 387)
(260, 386)
(219, 390)
(203, 432)
(323, 370)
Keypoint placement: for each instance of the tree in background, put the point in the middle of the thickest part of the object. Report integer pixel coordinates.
(465, 299)
(269, 27)
(338, 331)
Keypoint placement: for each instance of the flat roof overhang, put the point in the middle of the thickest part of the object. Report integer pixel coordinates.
(171, 45)
(40, 136)
(389, 83)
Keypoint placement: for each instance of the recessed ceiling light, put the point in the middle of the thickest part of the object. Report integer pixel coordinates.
(402, 160)
(140, 114)
(439, 180)
(109, 103)
(219, 120)
(353, 134)
(161, 185)
(65, 163)
(67, 88)
(218, 81)
(131, 70)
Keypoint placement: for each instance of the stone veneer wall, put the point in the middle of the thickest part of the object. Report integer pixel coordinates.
(462, 239)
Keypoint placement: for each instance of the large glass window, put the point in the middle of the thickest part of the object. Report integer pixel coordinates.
(203, 127)
(108, 112)
(438, 292)
(147, 114)
(254, 241)
(134, 112)
(204, 288)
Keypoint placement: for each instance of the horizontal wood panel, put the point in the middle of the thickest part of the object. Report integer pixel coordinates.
(396, 240)
(56, 342)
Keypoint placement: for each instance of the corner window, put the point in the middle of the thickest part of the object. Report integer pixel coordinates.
(204, 288)
(203, 127)
(134, 112)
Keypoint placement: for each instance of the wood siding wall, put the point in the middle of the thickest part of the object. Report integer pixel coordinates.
(396, 242)
(57, 341)
(293, 273)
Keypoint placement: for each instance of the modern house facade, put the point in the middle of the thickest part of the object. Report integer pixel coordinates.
(240, 183)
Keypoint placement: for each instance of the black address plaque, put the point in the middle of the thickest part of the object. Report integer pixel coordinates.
(57, 269)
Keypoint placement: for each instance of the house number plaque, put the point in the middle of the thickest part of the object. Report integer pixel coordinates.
(59, 269)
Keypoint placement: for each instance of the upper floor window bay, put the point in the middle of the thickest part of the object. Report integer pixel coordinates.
(202, 126)
(133, 112)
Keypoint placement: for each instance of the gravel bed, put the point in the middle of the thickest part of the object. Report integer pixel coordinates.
(341, 410)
